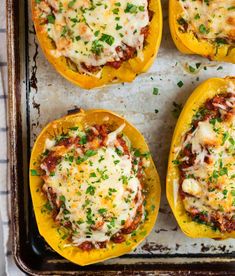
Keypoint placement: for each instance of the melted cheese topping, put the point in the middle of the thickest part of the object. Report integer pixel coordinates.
(210, 186)
(90, 32)
(100, 194)
(211, 19)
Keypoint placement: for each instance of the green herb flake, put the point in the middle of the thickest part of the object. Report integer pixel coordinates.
(71, 3)
(96, 47)
(191, 69)
(180, 84)
(93, 174)
(102, 211)
(143, 233)
(108, 39)
(51, 18)
(34, 173)
(203, 29)
(96, 33)
(62, 198)
(90, 190)
(115, 11)
(155, 91)
(90, 153)
(83, 140)
(118, 27)
(130, 8)
(225, 192)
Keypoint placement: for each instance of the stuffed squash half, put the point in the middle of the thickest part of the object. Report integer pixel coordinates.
(201, 169)
(94, 186)
(92, 43)
(203, 27)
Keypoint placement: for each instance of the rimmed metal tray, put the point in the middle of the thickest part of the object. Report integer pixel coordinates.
(37, 95)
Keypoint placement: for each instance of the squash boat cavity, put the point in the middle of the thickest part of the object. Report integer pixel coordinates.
(196, 180)
(53, 223)
(193, 31)
(125, 65)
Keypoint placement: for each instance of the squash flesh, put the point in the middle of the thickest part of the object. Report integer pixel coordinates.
(45, 222)
(206, 90)
(128, 70)
(187, 43)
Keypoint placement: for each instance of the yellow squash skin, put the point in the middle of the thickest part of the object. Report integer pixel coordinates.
(128, 70)
(187, 43)
(45, 222)
(207, 89)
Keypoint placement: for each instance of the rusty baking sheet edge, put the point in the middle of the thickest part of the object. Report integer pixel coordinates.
(15, 151)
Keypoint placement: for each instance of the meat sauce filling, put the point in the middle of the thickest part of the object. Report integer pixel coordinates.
(211, 111)
(96, 137)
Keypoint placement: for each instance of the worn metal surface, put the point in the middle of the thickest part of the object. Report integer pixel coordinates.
(51, 96)
(44, 95)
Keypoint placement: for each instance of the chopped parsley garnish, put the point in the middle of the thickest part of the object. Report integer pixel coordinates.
(71, 3)
(51, 18)
(191, 69)
(89, 216)
(90, 153)
(137, 153)
(83, 140)
(93, 174)
(233, 192)
(62, 198)
(203, 29)
(97, 48)
(96, 33)
(176, 162)
(118, 151)
(180, 84)
(108, 39)
(90, 190)
(130, 8)
(155, 91)
(46, 208)
(115, 11)
(102, 211)
(34, 173)
(118, 27)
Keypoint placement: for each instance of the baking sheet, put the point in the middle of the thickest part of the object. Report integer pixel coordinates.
(49, 96)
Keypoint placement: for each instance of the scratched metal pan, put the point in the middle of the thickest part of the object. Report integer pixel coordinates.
(37, 95)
